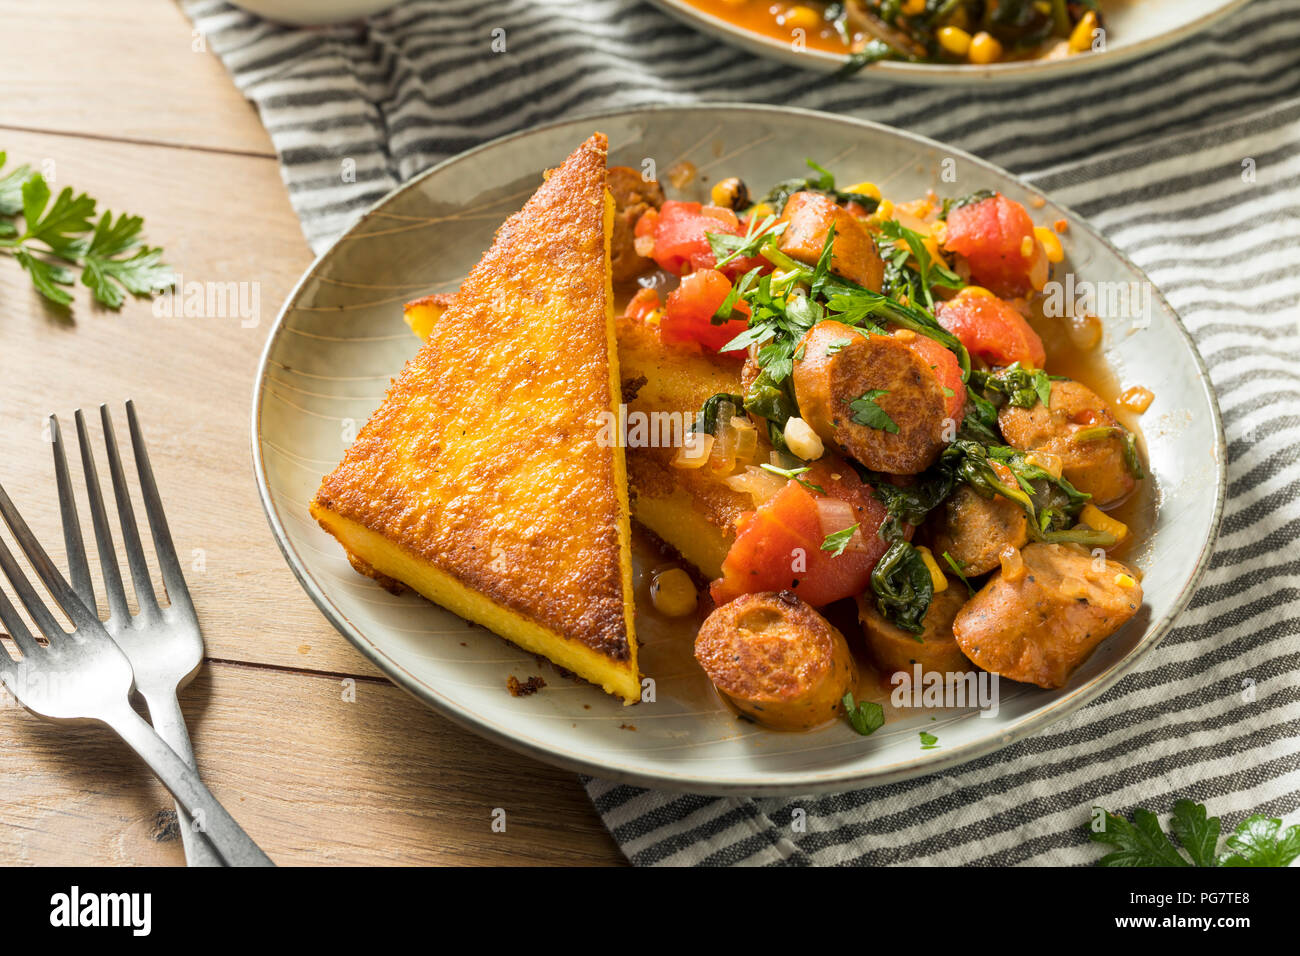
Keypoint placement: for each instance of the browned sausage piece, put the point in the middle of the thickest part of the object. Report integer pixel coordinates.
(935, 649)
(777, 660)
(974, 529)
(838, 366)
(1096, 465)
(632, 196)
(853, 254)
(1040, 627)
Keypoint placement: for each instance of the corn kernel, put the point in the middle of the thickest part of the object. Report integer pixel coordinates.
(802, 18)
(1098, 520)
(914, 8)
(1125, 580)
(955, 40)
(885, 210)
(870, 190)
(1027, 247)
(937, 577)
(1051, 245)
(673, 593)
(984, 49)
(760, 211)
(1081, 35)
(974, 290)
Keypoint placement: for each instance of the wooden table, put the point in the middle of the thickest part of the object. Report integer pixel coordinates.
(113, 98)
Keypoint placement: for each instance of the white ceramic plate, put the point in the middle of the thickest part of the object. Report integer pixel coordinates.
(340, 336)
(1134, 28)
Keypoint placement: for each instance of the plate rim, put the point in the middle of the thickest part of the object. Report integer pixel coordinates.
(934, 74)
(787, 782)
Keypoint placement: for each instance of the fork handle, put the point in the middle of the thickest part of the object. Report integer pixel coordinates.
(165, 715)
(231, 842)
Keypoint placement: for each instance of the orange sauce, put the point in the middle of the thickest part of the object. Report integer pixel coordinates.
(769, 18)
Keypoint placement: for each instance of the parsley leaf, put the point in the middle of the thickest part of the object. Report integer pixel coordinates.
(837, 541)
(1140, 843)
(865, 411)
(929, 741)
(1257, 841)
(866, 718)
(111, 255)
(11, 188)
(1198, 834)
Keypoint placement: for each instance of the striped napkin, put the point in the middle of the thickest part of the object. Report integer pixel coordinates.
(1188, 160)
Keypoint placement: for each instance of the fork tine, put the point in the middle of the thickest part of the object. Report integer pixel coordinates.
(117, 606)
(74, 544)
(173, 577)
(57, 584)
(135, 559)
(15, 627)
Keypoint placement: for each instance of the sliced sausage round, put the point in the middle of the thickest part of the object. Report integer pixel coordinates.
(1041, 625)
(935, 649)
(808, 217)
(777, 660)
(873, 397)
(974, 529)
(1092, 464)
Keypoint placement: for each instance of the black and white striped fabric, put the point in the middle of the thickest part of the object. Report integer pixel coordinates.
(1188, 160)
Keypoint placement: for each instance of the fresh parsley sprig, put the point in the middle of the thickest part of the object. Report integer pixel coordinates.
(55, 235)
(1257, 841)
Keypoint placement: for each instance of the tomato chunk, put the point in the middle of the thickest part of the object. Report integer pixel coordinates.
(992, 330)
(688, 313)
(678, 237)
(779, 546)
(993, 236)
(642, 305)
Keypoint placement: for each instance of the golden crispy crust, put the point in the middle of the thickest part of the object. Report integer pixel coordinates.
(484, 460)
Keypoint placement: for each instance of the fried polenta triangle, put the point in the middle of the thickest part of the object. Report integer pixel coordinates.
(483, 481)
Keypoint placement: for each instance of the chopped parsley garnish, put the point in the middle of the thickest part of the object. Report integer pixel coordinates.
(929, 272)
(957, 570)
(866, 718)
(865, 411)
(1257, 841)
(929, 741)
(793, 474)
(837, 541)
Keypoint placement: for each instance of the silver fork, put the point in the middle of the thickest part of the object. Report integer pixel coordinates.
(83, 676)
(164, 645)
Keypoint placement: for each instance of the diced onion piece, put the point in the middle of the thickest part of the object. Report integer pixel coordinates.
(1083, 331)
(1013, 565)
(1046, 460)
(746, 439)
(1137, 399)
(836, 515)
(694, 452)
(802, 440)
(759, 483)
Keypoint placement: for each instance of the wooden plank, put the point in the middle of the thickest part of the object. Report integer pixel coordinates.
(125, 70)
(313, 778)
(225, 219)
